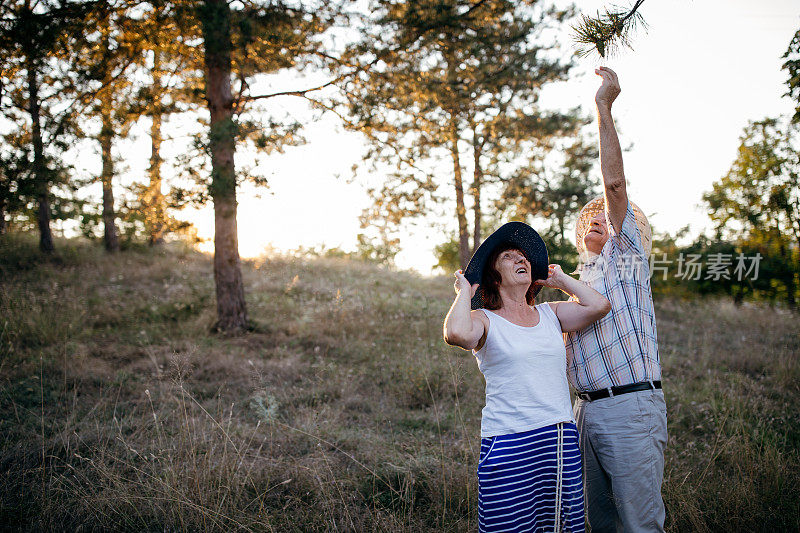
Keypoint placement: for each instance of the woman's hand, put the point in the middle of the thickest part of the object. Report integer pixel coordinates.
(556, 278)
(586, 305)
(462, 326)
(461, 284)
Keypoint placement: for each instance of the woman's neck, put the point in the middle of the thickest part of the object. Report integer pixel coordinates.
(514, 300)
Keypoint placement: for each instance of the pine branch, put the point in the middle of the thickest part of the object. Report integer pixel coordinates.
(243, 98)
(607, 33)
(302, 92)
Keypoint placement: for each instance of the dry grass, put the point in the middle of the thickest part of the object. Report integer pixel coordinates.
(343, 410)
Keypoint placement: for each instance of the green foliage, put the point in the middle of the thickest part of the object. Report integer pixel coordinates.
(792, 68)
(379, 251)
(103, 63)
(265, 406)
(18, 186)
(757, 203)
(35, 39)
(734, 275)
(261, 39)
(560, 251)
(435, 77)
(446, 255)
(550, 192)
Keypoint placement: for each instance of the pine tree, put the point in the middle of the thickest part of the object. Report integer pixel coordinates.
(105, 61)
(34, 37)
(215, 17)
(437, 78)
(240, 44)
(174, 70)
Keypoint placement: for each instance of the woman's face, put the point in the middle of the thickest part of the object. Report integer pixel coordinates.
(514, 269)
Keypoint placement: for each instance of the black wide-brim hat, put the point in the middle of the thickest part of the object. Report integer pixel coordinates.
(514, 234)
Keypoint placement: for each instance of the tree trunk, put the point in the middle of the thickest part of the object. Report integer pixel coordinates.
(2, 216)
(793, 218)
(39, 169)
(461, 211)
(738, 294)
(477, 182)
(110, 238)
(231, 310)
(786, 254)
(790, 290)
(154, 199)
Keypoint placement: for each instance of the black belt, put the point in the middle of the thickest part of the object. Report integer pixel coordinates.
(616, 391)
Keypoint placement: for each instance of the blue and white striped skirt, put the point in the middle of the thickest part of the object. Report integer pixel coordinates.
(523, 486)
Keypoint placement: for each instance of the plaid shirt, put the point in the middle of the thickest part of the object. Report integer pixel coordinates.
(620, 348)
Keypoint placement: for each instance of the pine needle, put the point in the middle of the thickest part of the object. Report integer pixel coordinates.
(609, 32)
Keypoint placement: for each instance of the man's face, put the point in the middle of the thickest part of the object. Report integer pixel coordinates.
(513, 268)
(597, 235)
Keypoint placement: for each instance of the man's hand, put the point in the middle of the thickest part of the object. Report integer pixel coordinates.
(610, 152)
(609, 89)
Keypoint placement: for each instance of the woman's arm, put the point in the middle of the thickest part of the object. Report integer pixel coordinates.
(589, 307)
(462, 326)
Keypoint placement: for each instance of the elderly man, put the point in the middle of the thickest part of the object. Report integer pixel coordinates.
(613, 364)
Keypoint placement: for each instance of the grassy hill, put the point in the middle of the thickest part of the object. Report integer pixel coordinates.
(342, 410)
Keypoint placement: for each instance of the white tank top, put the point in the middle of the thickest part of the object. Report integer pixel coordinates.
(526, 375)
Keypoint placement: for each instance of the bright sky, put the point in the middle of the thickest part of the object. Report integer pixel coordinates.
(700, 72)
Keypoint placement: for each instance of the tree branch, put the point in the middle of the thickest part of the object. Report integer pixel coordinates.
(301, 93)
(606, 32)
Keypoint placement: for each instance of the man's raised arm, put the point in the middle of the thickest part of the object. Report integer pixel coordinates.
(610, 151)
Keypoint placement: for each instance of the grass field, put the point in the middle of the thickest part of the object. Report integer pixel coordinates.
(343, 409)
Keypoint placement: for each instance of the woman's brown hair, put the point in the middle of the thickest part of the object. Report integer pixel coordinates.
(490, 282)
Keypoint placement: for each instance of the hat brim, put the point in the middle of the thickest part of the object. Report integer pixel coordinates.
(518, 235)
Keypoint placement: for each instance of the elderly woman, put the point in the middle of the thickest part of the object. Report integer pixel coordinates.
(529, 468)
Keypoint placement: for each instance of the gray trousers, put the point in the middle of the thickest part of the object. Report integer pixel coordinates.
(622, 441)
